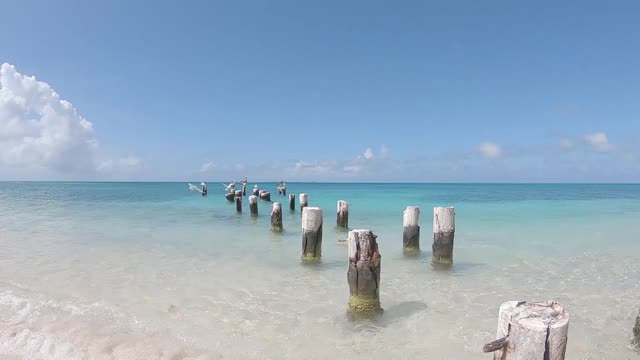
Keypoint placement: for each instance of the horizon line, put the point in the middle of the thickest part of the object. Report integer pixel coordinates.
(328, 182)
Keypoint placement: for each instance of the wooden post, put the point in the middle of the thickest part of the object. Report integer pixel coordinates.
(311, 233)
(636, 330)
(244, 190)
(530, 331)
(265, 195)
(304, 201)
(238, 195)
(253, 205)
(363, 275)
(276, 217)
(230, 196)
(343, 214)
(256, 191)
(411, 229)
(292, 202)
(444, 227)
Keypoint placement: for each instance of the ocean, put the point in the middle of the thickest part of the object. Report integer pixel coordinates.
(155, 271)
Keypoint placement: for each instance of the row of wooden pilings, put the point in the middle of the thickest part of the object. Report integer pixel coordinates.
(443, 222)
(526, 330)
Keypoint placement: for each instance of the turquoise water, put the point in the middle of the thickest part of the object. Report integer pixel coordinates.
(152, 270)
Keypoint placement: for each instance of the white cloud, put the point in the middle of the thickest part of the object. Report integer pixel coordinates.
(368, 154)
(384, 151)
(123, 164)
(38, 129)
(599, 142)
(352, 169)
(566, 143)
(359, 165)
(105, 166)
(206, 167)
(130, 161)
(313, 167)
(490, 150)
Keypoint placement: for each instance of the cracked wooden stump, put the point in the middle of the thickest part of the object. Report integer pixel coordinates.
(276, 217)
(311, 233)
(256, 191)
(230, 197)
(304, 201)
(411, 230)
(530, 331)
(238, 198)
(343, 214)
(363, 275)
(253, 205)
(444, 228)
(292, 202)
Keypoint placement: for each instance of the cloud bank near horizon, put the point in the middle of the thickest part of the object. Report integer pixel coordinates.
(40, 130)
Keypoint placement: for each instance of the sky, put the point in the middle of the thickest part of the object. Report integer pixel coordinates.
(407, 91)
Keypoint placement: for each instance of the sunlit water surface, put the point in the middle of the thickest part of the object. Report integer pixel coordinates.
(153, 271)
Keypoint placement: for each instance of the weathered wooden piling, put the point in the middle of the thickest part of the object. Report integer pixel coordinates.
(343, 214)
(276, 217)
(636, 330)
(363, 275)
(444, 227)
(256, 191)
(311, 233)
(230, 197)
(411, 229)
(238, 197)
(304, 201)
(244, 190)
(253, 205)
(292, 202)
(530, 331)
(265, 195)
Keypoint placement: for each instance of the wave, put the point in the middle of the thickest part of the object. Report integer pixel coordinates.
(33, 327)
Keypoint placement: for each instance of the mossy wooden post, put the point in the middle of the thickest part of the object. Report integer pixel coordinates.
(230, 197)
(343, 214)
(411, 230)
(530, 331)
(636, 331)
(292, 202)
(311, 233)
(304, 201)
(253, 205)
(276, 217)
(238, 196)
(363, 275)
(265, 195)
(444, 228)
(256, 191)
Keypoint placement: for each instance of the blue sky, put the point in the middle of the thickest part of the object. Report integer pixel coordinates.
(327, 91)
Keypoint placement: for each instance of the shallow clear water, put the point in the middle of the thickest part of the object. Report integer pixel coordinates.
(153, 271)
